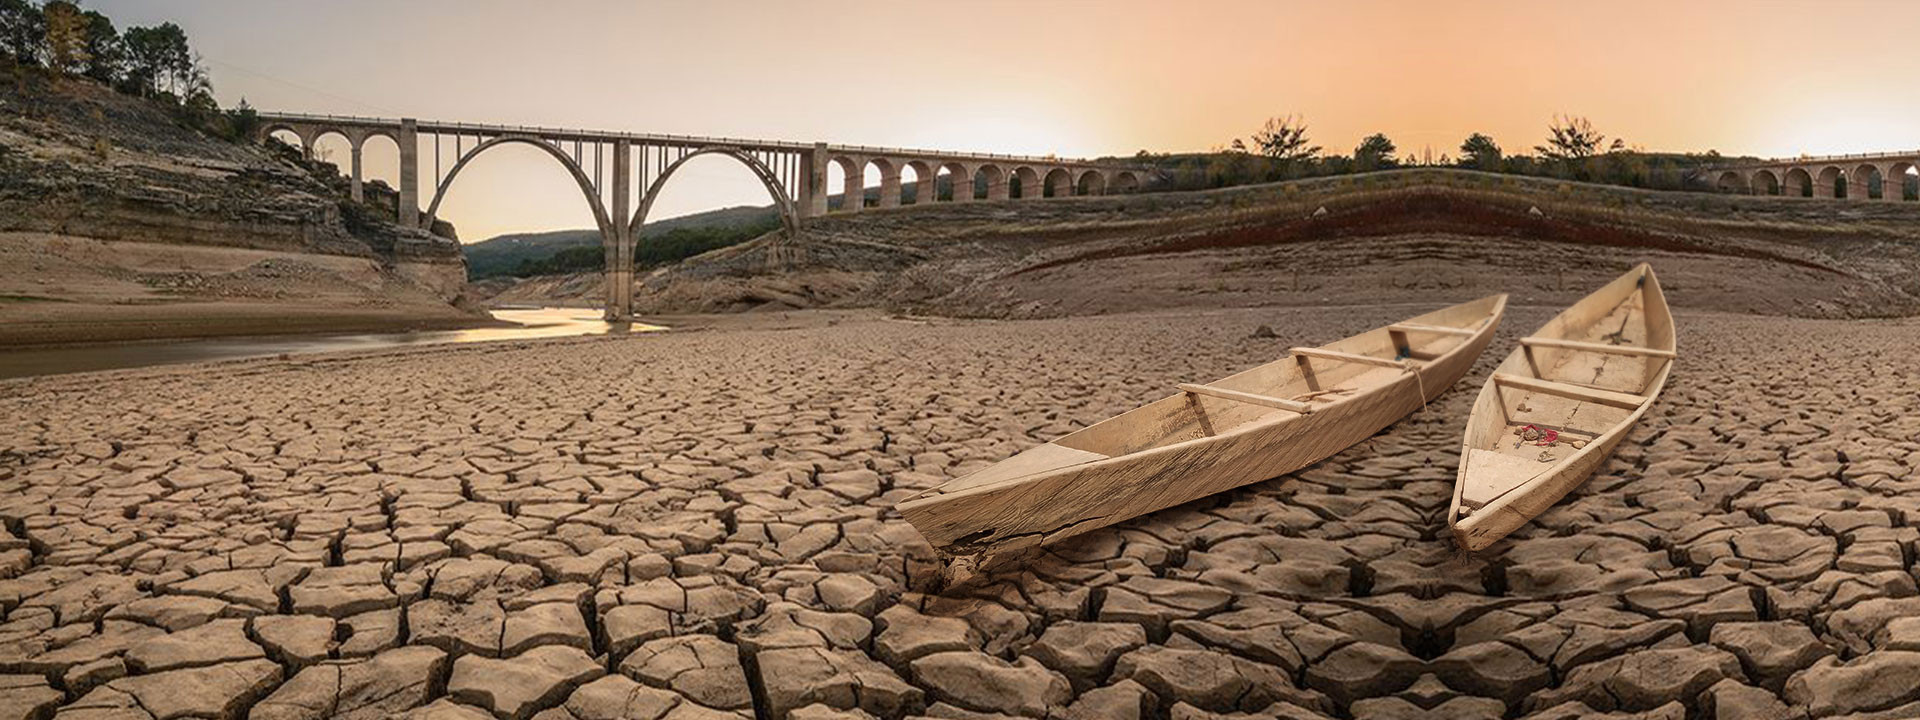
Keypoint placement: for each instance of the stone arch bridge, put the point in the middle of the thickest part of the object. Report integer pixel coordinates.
(1869, 176)
(610, 167)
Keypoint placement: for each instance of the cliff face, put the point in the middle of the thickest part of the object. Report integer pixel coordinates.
(108, 203)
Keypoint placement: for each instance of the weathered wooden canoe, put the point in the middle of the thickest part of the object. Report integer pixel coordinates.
(1580, 382)
(1258, 424)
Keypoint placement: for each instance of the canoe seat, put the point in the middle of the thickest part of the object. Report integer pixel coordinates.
(1533, 342)
(1571, 392)
(1490, 474)
(1304, 352)
(1249, 398)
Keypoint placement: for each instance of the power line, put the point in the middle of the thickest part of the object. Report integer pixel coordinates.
(292, 84)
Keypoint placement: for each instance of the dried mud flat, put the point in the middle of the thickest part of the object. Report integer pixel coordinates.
(697, 525)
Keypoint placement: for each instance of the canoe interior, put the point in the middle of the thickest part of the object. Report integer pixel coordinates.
(1630, 311)
(1187, 417)
(1183, 417)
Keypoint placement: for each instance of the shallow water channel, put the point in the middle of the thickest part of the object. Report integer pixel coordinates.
(532, 323)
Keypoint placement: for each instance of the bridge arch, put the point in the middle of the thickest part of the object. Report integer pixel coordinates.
(1731, 181)
(1028, 182)
(789, 215)
(1764, 182)
(579, 176)
(1798, 182)
(302, 140)
(889, 174)
(853, 182)
(926, 182)
(1830, 183)
(1861, 180)
(994, 179)
(1903, 176)
(1127, 181)
(1090, 182)
(1059, 183)
(959, 182)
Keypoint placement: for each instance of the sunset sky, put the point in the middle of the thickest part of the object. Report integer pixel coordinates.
(1077, 78)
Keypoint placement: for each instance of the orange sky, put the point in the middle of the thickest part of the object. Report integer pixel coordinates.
(1078, 78)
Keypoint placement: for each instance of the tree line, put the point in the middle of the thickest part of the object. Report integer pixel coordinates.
(1572, 149)
(157, 63)
(656, 250)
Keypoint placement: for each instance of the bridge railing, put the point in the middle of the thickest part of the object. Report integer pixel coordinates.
(1805, 159)
(668, 138)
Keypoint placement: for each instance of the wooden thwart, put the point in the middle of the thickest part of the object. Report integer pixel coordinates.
(1596, 347)
(1249, 398)
(1570, 391)
(1347, 357)
(1412, 327)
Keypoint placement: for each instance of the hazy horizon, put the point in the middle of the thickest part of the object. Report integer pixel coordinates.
(1072, 78)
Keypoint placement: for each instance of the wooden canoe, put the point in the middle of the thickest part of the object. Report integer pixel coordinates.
(1252, 426)
(1581, 381)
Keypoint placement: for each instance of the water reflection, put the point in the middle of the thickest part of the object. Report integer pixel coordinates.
(532, 323)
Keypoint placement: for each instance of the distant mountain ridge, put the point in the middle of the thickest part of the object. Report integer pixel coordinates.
(503, 254)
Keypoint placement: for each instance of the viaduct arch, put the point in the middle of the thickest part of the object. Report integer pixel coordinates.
(1883, 177)
(610, 166)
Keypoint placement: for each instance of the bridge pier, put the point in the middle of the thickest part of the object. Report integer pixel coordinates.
(926, 184)
(409, 142)
(890, 184)
(813, 182)
(853, 186)
(357, 194)
(618, 241)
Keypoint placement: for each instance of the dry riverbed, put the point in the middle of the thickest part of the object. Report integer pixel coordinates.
(698, 524)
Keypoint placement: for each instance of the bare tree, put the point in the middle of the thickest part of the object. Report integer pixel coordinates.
(1573, 138)
(1285, 139)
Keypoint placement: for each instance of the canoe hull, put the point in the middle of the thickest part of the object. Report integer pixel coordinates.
(1478, 523)
(1049, 506)
(1501, 517)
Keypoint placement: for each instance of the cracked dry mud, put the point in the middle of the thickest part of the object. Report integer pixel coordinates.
(698, 525)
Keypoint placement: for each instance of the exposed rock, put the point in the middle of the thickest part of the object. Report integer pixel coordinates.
(379, 687)
(27, 697)
(798, 677)
(703, 668)
(907, 635)
(1770, 651)
(1085, 652)
(520, 686)
(1211, 680)
(979, 681)
(214, 691)
(1871, 682)
(1644, 680)
(220, 641)
(296, 640)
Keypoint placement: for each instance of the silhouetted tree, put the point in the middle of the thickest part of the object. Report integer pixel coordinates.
(1480, 152)
(104, 55)
(1374, 153)
(23, 30)
(159, 61)
(1284, 139)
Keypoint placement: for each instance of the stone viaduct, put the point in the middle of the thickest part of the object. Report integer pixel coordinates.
(1875, 176)
(610, 166)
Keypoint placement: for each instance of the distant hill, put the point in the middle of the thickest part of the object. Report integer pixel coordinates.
(504, 255)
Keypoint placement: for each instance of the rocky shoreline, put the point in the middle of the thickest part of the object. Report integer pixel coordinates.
(514, 530)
